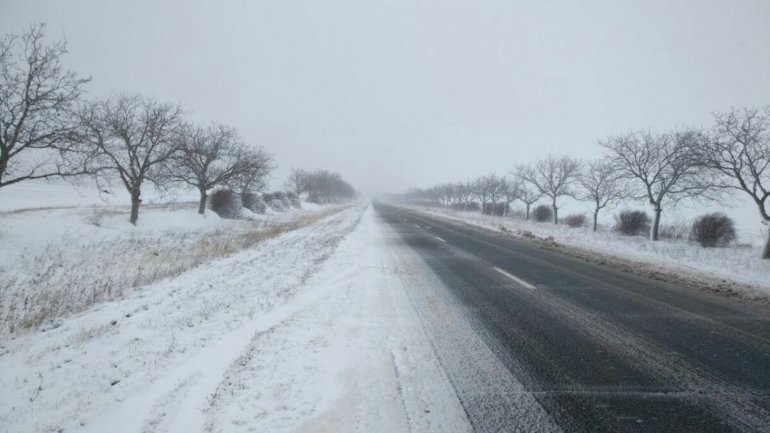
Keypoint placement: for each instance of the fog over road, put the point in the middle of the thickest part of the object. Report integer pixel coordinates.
(533, 340)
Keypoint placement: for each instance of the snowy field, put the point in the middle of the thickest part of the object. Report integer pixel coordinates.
(57, 260)
(292, 321)
(739, 263)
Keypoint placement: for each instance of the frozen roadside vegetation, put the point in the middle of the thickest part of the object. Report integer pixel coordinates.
(310, 330)
(736, 268)
(60, 260)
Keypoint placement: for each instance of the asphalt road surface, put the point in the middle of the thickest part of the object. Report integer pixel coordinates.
(552, 343)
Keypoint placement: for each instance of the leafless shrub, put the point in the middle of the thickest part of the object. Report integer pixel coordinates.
(294, 200)
(542, 213)
(575, 220)
(253, 202)
(632, 222)
(285, 202)
(713, 230)
(226, 203)
(274, 202)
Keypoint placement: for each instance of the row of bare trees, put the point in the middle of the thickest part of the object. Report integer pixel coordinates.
(658, 168)
(48, 130)
(320, 186)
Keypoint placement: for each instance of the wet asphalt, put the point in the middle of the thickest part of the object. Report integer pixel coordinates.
(599, 349)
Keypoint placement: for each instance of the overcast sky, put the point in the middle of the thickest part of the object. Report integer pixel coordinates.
(399, 93)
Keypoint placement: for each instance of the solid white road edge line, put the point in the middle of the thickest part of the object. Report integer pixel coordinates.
(514, 278)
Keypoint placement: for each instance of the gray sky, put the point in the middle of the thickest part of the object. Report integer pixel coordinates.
(399, 93)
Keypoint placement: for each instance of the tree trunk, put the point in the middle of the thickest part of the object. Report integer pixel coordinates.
(202, 202)
(655, 224)
(766, 253)
(526, 214)
(136, 200)
(596, 217)
(555, 212)
(3, 164)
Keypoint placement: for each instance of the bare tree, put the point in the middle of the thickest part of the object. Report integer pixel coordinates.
(327, 187)
(552, 177)
(131, 136)
(497, 188)
(511, 191)
(37, 99)
(738, 149)
(481, 190)
(259, 164)
(297, 181)
(602, 185)
(207, 158)
(665, 166)
(444, 193)
(487, 188)
(528, 196)
(464, 192)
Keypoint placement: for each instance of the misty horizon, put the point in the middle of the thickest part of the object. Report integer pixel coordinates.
(402, 95)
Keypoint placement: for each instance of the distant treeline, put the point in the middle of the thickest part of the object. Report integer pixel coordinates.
(657, 168)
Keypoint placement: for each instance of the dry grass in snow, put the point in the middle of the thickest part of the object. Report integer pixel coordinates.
(60, 261)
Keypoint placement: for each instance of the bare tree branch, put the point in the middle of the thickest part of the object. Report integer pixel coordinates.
(297, 182)
(738, 150)
(37, 104)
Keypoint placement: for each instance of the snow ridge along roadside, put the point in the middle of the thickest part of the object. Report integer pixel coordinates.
(132, 365)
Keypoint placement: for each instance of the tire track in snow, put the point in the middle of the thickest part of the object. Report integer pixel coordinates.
(165, 406)
(354, 361)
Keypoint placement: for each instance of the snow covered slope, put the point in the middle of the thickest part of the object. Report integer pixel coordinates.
(311, 330)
